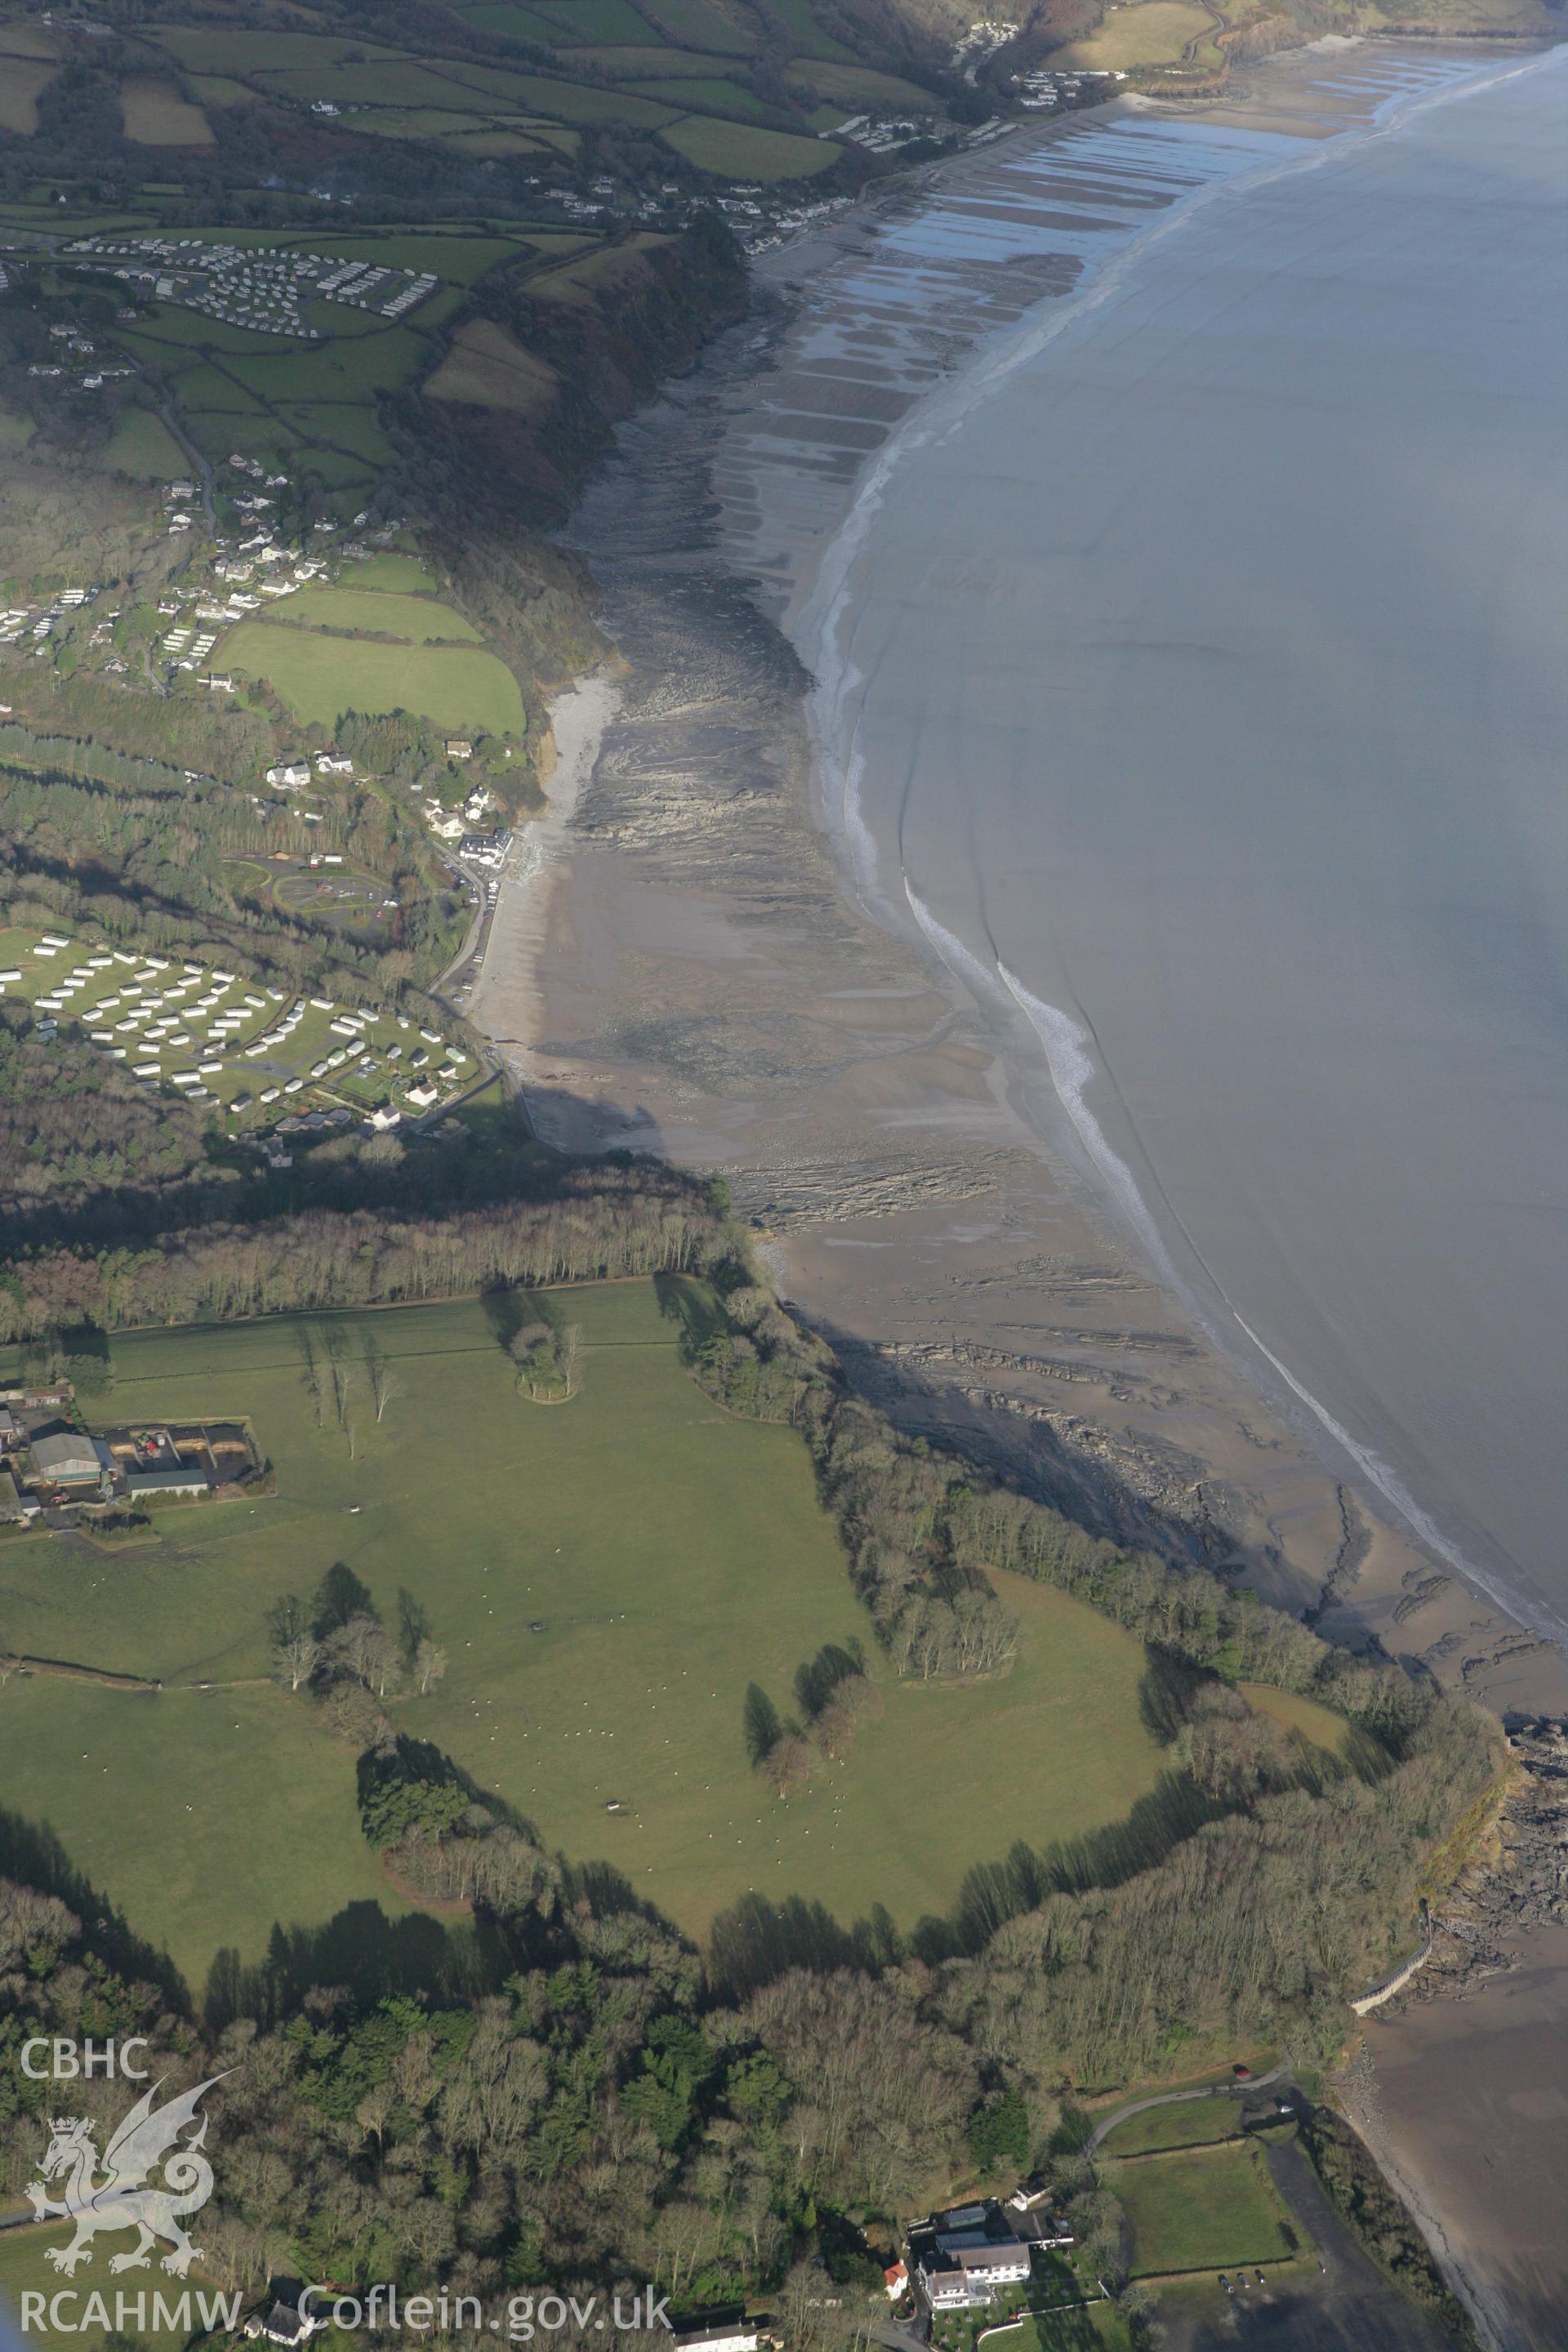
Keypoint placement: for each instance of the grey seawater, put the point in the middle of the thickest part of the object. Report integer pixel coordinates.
(1194, 674)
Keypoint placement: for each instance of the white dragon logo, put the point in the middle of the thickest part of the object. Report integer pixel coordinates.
(124, 2198)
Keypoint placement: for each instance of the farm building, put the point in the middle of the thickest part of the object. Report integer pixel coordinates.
(167, 1481)
(67, 1460)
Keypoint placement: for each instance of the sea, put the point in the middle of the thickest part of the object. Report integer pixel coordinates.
(1190, 679)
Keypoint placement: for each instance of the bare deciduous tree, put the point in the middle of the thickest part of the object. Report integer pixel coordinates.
(295, 1658)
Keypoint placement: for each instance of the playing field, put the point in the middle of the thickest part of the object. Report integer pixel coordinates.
(322, 677)
(609, 1577)
(1206, 2210)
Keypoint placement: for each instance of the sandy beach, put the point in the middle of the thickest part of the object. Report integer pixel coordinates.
(507, 1001)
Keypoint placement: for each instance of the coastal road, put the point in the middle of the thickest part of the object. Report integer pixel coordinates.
(1178, 2098)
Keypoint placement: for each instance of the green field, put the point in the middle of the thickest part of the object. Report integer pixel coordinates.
(419, 620)
(726, 97)
(1150, 33)
(1206, 2210)
(1315, 1726)
(396, 574)
(1098, 2327)
(515, 23)
(23, 2269)
(321, 677)
(1194, 2124)
(669, 1556)
(314, 405)
(217, 89)
(142, 445)
(857, 86)
(22, 84)
(221, 51)
(735, 152)
(704, 25)
(148, 1790)
(595, 20)
(637, 65)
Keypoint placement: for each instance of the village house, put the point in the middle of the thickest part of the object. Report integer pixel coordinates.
(283, 2323)
(290, 777)
(961, 2259)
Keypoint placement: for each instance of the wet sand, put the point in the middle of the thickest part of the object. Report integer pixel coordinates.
(1467, 2112)
(1189, 680)
(692, 975)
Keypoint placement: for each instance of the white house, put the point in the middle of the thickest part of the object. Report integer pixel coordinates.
(289, 777)
(962, 2257)
(284, 2324)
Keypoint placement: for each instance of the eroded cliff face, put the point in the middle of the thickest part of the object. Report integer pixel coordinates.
(545, 365)
(1517, 1879)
